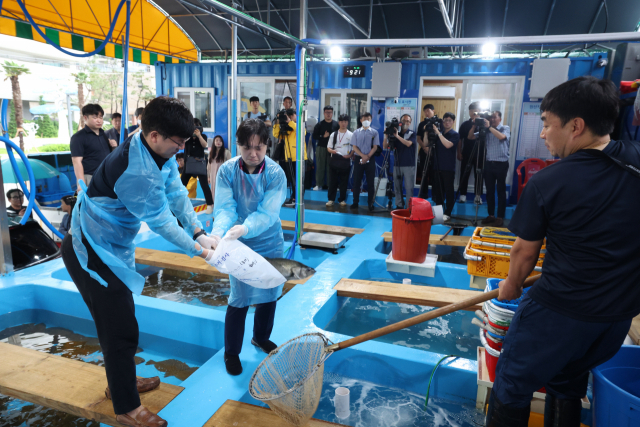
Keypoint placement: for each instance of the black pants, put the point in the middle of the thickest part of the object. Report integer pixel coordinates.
(429, 177)
(496, 172)
(290, 173)
(360, 170)
(204, 184)
(234, 325)
(546, 348)
(468, 162)
(113, 312)
(443, 189)
(338, 178)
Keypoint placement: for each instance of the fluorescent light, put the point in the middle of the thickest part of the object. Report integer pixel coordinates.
(488, 50)
(336, 52)
(484, 105)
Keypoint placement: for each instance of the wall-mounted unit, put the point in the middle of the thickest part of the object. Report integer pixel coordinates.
(626, 63)
(367, 52)
(448, 92)
(385, 82)
(407, 52)
(547, 74)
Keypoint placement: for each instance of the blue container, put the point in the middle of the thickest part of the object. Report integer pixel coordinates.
(616, 390)
(509, 305)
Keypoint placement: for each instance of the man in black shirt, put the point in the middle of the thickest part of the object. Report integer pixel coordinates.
(321, 133)
(114, 133)
(423, 139)
(89, 146)
(15, 198)
(464, 155)
(578, 314)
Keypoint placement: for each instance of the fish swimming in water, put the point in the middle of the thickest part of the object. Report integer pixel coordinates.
(291, 269)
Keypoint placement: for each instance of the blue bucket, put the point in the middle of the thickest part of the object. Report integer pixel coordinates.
(510, 304)
(616, 390)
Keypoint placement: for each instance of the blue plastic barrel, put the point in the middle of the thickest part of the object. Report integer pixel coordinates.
(616, 390)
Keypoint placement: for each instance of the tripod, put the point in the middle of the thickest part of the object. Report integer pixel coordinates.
(433, 152)
(383, 170)
(479, 151)
(282, 140)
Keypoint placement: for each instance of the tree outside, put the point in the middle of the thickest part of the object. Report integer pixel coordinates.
(81, 80)
(13, 71)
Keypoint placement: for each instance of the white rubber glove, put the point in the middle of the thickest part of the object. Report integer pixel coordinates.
(209, 258)
(236, 232)
(208, 242)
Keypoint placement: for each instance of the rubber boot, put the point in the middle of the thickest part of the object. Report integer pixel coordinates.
(562, 412)
(501, 415)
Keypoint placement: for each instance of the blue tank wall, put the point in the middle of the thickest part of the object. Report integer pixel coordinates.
(328, 75)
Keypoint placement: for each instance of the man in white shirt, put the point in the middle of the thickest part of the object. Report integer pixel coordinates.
(339, 147)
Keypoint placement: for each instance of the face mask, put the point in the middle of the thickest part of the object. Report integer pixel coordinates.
(366, 123)
(405, 128)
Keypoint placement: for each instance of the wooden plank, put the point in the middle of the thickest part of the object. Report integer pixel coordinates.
(406, 294)
(634, 332)
(239, 414)
(182, 262)
(67, 385)
(323, 228)
(434, 239)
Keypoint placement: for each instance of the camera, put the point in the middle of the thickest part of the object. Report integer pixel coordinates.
(480, 118)
(200, 128)
(282, 118)
(391, 128)
(431, 133)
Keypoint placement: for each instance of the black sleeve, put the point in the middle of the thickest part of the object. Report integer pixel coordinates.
(464, 129)
(529, 221)
(335, 126)
(77, 148)
(316, 131)
(421, 130)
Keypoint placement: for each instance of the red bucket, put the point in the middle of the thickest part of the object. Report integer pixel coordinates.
(410, 231)
(492, 362)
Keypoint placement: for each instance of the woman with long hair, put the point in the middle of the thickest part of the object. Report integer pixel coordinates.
(217, 156)
(195, 164)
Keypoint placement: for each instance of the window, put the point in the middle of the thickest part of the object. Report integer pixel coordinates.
(199, 100)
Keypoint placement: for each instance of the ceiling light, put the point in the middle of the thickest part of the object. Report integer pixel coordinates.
(484, 105)
(336, 52)
(488, 50)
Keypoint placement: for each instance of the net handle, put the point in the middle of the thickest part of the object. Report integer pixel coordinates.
(482, 297)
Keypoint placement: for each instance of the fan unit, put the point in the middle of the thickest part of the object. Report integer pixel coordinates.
(366, 52)
(406, 52)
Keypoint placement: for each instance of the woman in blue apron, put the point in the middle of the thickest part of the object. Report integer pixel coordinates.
(250, 189)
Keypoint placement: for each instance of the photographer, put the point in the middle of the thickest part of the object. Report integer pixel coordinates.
(285, 130)
(496, 167)
(405, 159)
(340, 161)
(465, 149)
(255, 112)
(365, 144)
(321, 133)
(428, 111)
(446, 167)
(195, 163)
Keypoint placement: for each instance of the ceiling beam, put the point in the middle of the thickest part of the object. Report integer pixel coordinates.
(445, 16)
(384, 20)
(424, 34)
(546, 27)
(347, 6)
(504, 19)
(340, 11)
(201, 24)
(595, 18)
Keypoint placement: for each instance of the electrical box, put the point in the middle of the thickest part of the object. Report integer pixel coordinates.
(626, 63)
(547, 74)
(386, 79)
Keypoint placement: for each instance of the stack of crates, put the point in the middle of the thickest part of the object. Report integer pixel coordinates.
(488, 253)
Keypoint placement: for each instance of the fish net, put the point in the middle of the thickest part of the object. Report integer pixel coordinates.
(289, 380)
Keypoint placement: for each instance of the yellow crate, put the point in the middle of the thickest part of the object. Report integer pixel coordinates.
(490, 264)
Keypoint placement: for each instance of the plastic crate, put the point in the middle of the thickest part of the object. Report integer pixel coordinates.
(489, 264)
(497, 237)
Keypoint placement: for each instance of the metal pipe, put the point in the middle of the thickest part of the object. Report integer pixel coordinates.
(6, 258)
(445, 16)
(595, 18)
(478, 41)
(371, 18)
(69, 115)
(236, 13)
(546, 27)
(301, 142)
(234, 89)
(346, 17)
(384, 20)
(504, 20)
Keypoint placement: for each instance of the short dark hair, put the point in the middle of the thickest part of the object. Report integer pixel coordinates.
(451, 115)
(92, 110)
(474, 106)
(139, 111)
(406, 114)
(197, 122)
(254, 98)
(498, 113)
(116, 116)
(288, 97)
(593, 100)
(428, 106)
(365, 114)
(344, 118)
(69, 200)
(328, 108)
(180, 155)
(290, 111)
(13, 190)
(249, 128)
(167, 116)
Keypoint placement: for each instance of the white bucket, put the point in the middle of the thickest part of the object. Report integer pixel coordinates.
(342, 402)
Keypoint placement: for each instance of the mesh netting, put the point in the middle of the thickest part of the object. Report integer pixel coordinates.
(289, 380)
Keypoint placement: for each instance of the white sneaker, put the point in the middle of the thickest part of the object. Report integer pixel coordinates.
(343, 203)
(463, 199)
(445, 218)
(209, 209)
(478, 200)
(316, 188)
(330, 203)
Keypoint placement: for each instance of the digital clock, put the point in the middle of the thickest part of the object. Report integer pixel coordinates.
(353, 71)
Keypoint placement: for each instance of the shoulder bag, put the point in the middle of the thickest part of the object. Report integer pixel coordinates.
(337, 160)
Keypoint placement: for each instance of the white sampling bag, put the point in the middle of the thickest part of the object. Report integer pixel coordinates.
(238, 260)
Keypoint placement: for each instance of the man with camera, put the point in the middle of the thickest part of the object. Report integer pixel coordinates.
(578, 314)
(404, 152)
(321, 133)
(496, 166)
(428, 112)
(365, 142)
(465, 151)
(255, 112)
(445, 164)
(285, 131)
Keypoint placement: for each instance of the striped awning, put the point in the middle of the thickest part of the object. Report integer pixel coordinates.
(83, 25)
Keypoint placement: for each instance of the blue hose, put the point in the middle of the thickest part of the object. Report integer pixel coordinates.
(63, 50)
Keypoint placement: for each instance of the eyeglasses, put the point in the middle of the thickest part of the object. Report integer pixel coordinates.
(179, 144)
(17, 197)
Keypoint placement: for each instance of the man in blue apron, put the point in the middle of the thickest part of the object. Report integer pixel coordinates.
(250, 189)
(578, 314)
(138, 181)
